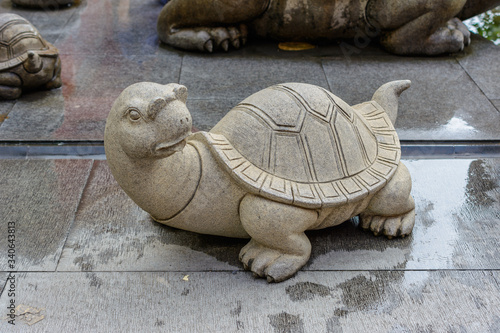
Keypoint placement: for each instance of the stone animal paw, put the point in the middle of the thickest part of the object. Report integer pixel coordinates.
(10, 86)
(269, 263)
(457, 24)
(209, 39)
(449, 39)
(390, 226)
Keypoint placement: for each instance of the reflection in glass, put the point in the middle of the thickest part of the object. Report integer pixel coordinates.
(486, 24)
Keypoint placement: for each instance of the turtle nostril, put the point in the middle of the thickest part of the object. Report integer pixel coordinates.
(182, 121)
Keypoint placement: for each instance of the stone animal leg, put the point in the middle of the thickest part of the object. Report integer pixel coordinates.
(207, 25)
(10, 86)
(475, 7)
(392, 210)
(426, 27)
(56, 81)
(279, 247)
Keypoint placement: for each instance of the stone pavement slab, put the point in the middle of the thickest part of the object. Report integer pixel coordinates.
(443, 103)
(107, 45)
(482, 63)
(374, 301)
(40, 197)
(79, 109)
(239, 77)
(496, 102)
(207, 112)
(457, 227)
(111, 28)
(111, 233)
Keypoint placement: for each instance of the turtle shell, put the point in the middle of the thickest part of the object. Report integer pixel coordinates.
(17, 37)
(300, 144)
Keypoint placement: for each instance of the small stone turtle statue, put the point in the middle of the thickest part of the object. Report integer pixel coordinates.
(27, 61)
(289, 158)
(422, 27)
(43, 4)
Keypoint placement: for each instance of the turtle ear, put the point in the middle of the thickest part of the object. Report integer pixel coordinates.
(181, 93)
(156, 106)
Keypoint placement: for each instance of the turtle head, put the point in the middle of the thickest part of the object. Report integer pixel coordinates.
(149, 120)
(387, 96)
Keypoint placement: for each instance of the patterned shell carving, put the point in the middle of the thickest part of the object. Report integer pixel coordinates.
(17, 37)
(302, 145)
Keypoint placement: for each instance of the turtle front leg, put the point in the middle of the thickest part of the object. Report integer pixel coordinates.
(10, 86)
(392, 210)
(427, 27)
(279, 247)
(207, 25)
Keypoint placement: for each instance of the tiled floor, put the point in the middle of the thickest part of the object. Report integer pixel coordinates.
(89, 260)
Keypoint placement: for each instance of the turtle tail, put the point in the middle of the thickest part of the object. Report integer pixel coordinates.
(387, 96)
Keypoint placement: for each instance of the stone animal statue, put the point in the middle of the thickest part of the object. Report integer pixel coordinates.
(43, 4)
(289, 158)
(27, 61)
(410, 27)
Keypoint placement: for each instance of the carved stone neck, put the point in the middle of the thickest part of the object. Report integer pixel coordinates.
(164, 186)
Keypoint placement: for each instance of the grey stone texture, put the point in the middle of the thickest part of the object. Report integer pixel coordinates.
(41, 198)
(377, 301)
(440, 116)
(496, 102)
(416, 27)
(100, 43)
(117, 264)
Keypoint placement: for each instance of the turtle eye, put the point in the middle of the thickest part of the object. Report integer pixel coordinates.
(134, 115)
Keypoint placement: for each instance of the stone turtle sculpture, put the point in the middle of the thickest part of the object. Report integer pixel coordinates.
(290, 158)
(424, 27)
(27, 61)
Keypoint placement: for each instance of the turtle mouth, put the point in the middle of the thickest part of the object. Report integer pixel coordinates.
(171, 147)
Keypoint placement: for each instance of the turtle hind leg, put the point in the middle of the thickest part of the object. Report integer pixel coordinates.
(10, 86)
(391, 211)
(279, 247)
(418, 27)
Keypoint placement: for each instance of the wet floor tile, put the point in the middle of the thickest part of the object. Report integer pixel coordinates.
(207, 113)
(222, 77)
(483, 65)
(51, 21)
(457, 227)
(496, 102)
(457, 224)
(443, 102)
(111, 233)
(113, 29)
(40, 199)
(78, 110)
(447, 301)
